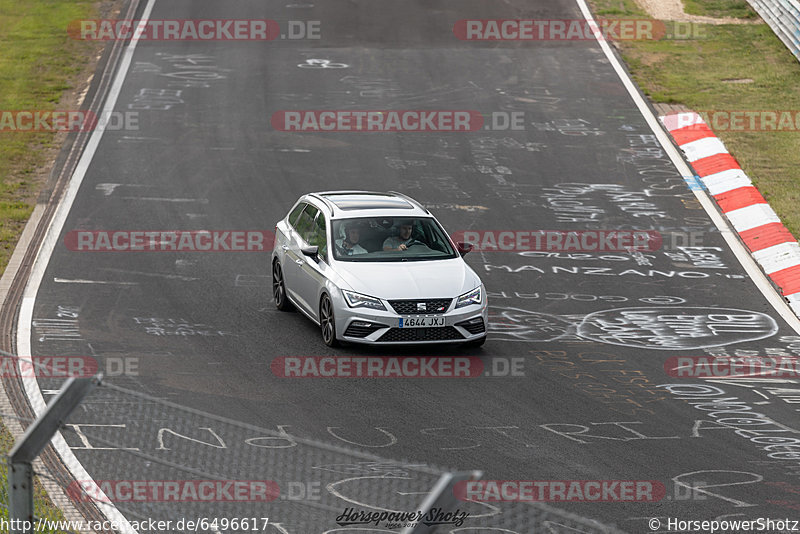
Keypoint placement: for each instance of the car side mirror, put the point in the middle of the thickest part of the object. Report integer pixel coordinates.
(311, 252)
(463, 248)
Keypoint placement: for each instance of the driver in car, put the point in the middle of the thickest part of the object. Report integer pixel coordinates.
(403, 240)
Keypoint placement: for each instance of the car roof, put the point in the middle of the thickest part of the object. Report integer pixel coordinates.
(351, 204)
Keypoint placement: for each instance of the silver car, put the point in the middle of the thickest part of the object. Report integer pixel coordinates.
(376, 268)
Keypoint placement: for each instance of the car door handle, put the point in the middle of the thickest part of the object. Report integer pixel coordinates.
(299, 262)
(285, 247)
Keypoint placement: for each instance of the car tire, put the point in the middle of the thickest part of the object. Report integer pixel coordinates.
(327, 322)
(279, 288)
(476, 343)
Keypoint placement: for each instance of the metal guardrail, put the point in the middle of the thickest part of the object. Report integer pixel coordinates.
(28, 447)
(783, 16)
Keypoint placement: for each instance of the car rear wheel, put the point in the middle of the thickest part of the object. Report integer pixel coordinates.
(327, 323)
(279, 288)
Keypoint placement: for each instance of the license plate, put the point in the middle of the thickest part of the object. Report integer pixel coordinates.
(421, 322)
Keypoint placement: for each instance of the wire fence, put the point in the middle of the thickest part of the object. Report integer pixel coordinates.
(157, 461)
(41, 511)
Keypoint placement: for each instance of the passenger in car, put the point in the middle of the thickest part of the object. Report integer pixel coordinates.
(349, 244)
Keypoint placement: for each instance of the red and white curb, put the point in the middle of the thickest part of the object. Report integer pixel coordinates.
(769, 242)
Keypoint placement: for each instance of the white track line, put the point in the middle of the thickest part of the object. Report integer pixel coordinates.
(37, 274)
(742, 254)
(82, 281)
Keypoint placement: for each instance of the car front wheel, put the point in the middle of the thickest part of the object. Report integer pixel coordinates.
(326, 321)
(279, 288)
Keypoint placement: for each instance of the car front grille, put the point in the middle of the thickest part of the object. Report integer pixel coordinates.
(443, 333)
(410, 307)
(473, 326)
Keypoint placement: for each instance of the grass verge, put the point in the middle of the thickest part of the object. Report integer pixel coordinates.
(41, 68)
(730, 67)
(739, 9)
(39, 63)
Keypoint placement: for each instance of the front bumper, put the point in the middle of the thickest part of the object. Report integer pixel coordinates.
(375, 327)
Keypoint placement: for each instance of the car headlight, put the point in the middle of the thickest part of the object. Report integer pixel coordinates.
(357, 300)
(473, 297)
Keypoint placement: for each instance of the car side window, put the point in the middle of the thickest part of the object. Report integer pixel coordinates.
(319, 238)
(295, 213)
(305, 223)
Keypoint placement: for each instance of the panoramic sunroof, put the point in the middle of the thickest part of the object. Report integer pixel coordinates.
(368, 202)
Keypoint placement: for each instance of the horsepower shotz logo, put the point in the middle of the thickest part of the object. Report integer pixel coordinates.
(169, 240)
(433, 517)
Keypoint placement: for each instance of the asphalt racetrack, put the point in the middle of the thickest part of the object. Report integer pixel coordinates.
(577, 383)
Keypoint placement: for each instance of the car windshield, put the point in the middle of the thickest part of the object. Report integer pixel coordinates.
(390, 239)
